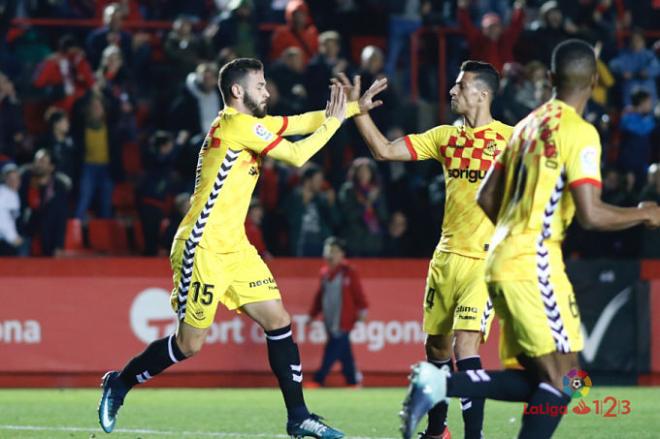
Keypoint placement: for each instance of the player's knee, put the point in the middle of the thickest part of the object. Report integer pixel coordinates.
(437, 348)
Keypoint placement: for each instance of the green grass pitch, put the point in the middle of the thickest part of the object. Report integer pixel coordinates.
(259, 413)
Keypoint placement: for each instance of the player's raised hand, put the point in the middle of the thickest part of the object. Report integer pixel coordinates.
(336, 106)
(365, 101)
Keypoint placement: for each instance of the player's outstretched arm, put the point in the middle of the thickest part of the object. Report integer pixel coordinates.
(305, 123)
(491, 192)
(298, 153)
(380, 147)
(594, 214)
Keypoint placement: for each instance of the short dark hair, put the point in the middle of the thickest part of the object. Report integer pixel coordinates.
(639, 96)
(335, 241)
(66, 42)
(310, 172)
(573, 64)
(234, 72)
(485, 72)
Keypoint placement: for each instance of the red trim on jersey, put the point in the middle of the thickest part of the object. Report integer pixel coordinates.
(591, 181)
(411, 150)
(498, 165)
(285, 124)
(272, 145)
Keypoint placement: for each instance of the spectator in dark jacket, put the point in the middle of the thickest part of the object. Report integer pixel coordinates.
(11, 120)
(636, 128)
(341, 300)
(156, 187)
(493, 43)
(44, 194)
(111, 33)
(236, 29)
(638, 66)
(363, 208)
(198, 102)
(323, 67)
(184, 49)
(311, 214)
(59, 143)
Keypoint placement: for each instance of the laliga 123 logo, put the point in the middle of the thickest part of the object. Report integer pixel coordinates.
(577, 383)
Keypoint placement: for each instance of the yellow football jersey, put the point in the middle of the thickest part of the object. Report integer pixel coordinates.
(551, 150)
(229, 166)
(465, 154)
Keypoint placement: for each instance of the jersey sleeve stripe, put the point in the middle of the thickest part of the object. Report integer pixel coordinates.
(285, 124)
(581, 181)
(272, 145)
(409, 145)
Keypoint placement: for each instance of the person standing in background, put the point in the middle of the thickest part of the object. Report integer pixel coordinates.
(341, 300)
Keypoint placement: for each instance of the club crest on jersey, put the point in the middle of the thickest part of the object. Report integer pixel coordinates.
(589, 160)
(262, 132)
(490, 150)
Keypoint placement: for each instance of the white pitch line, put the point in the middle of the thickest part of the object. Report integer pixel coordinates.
(220, 434)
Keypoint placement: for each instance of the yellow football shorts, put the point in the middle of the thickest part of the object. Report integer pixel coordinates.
(456, 296)
(536, 319)
(200, 282)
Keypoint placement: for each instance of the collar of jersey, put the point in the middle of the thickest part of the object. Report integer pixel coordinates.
(481, 127)
(563, 104)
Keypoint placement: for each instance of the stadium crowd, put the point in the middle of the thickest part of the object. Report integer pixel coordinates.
(100, 127)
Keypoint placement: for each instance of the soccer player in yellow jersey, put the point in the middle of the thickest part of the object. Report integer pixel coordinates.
(456, 308)
(549, 172)
(211, 258)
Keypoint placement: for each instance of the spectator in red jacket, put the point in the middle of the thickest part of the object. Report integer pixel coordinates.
(342, 302)
(299, 31)
(65, 76)
(493, 43)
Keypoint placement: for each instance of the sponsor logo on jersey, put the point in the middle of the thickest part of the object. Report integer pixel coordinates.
(253, 171)
(472, 175)
(468, 309)
(259, 283)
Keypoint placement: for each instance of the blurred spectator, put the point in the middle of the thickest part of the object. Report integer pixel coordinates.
(311, 214)
(96, 134)
(59, 143)
(65, 76)
(493, 43)
(638, 66)
(10, 210)
(651, 191)
(548, 32)
(288, 73)
(44, 195)
(636, 128)
(130, 9)
(12, 130)
(605, 81)
(363, 208)
(398, 243)
(405, 19)
(155, 187)
(235, 29)
(253, 231)
(520, 90)
(198, 102)
(324, 66)
(299, 31)
(341, 300)
(372, 67)
(184, 50)
(111, 33)
(181, 207)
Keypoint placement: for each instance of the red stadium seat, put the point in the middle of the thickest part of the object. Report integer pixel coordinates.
(73, 239)
(108, 236)
(123, 198)
(130, 155)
